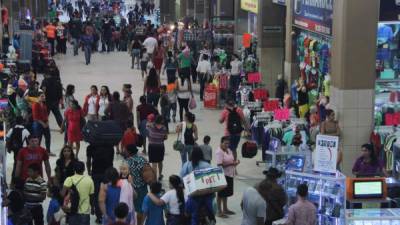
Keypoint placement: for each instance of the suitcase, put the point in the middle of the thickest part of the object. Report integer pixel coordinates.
(249, 149)
(102, 132)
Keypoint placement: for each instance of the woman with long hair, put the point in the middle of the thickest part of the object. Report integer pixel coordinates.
(188, 133)
(196, 162)
(170, 66)
(174, 199)
(69, 95)
(74, 117)
(65, 163)
(368, 163)
(152, 87)
(128, 100)
(104, 101)
(159, 57)
(184, 92)
(109, 195)
(331, 127)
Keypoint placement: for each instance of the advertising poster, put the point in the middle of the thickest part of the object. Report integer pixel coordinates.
(313, 15)
(326, 152)
(249, 5)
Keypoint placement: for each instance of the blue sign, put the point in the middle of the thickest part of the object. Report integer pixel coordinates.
(313, 15)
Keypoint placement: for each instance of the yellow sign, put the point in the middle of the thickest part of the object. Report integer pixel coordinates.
(249, 5)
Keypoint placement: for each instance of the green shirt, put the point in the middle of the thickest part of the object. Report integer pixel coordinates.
(85, 188)
(184, 62)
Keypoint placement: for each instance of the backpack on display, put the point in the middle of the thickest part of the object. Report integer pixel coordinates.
(249, 149)
(74, 198)
(234, 122)
(15, 143)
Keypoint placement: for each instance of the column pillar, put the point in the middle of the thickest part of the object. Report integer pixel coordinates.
(271, 44)
(291, 68)
(183, 7)
(353, 73)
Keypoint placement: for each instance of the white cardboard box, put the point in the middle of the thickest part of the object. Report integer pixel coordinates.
(205, 181)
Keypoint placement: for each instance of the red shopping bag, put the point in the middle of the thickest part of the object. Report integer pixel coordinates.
(254, 77)
(210, 96)
(271, 105)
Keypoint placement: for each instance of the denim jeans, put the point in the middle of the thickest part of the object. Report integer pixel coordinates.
(152, 98)
(37, 215)
(185, 153)
(202, 80)
(79, 219)
(234, 140)
(75, 42)
(39, 131)
(88, 53)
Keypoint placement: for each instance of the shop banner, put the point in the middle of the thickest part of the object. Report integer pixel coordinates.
(249, 5)
(313, 15)
(326, 152)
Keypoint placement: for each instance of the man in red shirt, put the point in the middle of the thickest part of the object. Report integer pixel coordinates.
(40, 124)
(235, 123)
(32, 154)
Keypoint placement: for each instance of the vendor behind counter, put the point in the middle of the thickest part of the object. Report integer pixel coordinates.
(368, 164)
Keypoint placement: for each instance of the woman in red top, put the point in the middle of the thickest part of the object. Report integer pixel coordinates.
(159, 57)
(73, 117)
(40, 124)
(130, 137)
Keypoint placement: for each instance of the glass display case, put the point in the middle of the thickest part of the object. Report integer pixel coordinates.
(328, 193)
(278, 159)
(373, 216)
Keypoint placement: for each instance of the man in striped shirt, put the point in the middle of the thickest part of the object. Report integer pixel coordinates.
(35, 189)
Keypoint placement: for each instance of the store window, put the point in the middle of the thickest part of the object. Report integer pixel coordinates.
(387, 99)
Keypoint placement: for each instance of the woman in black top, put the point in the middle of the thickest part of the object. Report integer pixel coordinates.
(65, 164)
(302, 99)
(188, 133)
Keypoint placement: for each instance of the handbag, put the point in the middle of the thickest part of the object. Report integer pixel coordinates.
(178, 145)
(192, 103)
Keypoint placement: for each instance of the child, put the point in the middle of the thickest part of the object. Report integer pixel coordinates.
(206, 148)
(130, 137)
(121, 212)
(127, 194)
(35, 189)
(172, 97)
(144, 60)
(54, 214)
(165, 104)
(153, 212)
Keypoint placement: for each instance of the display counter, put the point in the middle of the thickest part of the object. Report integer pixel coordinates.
(373, 216)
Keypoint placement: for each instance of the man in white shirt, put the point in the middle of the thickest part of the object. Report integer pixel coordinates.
(151, 45)
(236, 69)
(204, 70)
(254, 205)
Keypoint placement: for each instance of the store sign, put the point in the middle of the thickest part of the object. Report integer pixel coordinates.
(249, 5)
(280, 2)
(313, 15)
(326, 152)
